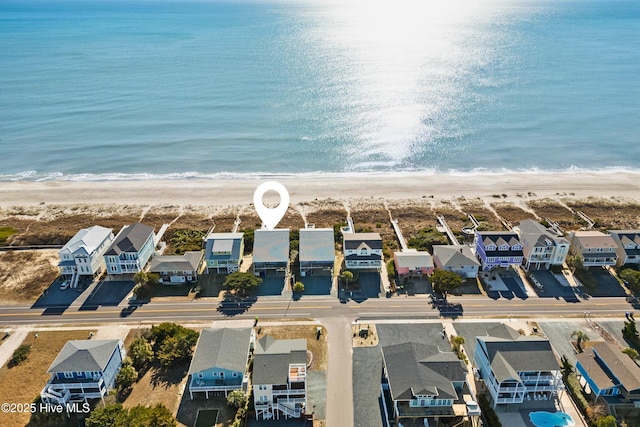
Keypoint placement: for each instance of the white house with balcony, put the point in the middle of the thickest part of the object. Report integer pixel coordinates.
(220, 361)
(541, 247)
(515, 367)
(131, 250)
(596, 248)
(426, 385)
(280, 378)
(83, 254)
(362, 251)
(628, 242)
(83, 370)
(223, 252)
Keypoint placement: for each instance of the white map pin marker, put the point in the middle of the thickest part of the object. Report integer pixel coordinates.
(271, 217)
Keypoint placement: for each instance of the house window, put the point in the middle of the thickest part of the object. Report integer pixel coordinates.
(68, 374)
(200, 375)
(262, 387)
(235, 374)
(263, 399)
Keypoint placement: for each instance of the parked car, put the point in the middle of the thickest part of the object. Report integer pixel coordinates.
(65, 285)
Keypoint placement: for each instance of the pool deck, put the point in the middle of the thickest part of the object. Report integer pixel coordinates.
(520, 417)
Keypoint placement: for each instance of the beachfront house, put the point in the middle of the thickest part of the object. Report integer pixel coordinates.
(426, 385)
(627, 246)
(456, 258)
(271, 252)
(83, 255)
(177, 269)
(83, 370)
(362, 251)
(223, 252)
(498, 249)
(516, 368)
(131, 250)
(412, 263)
(220, 361)
(609, 374)
(316, 252)
(279, 378)
(596, 248)
(541, 247)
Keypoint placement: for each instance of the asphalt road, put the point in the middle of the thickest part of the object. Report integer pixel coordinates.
(319, 308)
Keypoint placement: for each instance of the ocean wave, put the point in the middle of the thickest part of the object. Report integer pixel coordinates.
(35, 176)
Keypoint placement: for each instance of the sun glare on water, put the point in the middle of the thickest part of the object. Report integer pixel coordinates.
(402, 61)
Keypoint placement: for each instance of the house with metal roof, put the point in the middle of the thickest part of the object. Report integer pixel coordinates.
(220, 361)
(516, 367)
(362, 251)
(412, 263)
(628, 246)
(596, 248)
(279, 378)
(84, 369)
(456, 258)
(610, 375)
(83, 255)
(223, 252)
(271, 251)
(424, 383)
(131, 250)
(541, 247)
(498, 249)
(317, 251)
(176, 269)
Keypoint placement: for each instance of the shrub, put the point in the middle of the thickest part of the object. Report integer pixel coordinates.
(237, 399)
(20, 355)
(488, 413)
(242, 282)
(298, 287)
(140, 353)
(173, 343)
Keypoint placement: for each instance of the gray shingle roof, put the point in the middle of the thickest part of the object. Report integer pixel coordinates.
(272, 359)
(271, 245)
(188, 261)
(498, 238)
(226, 348)
(422, 369)
(537, 235)
(455, 256)
(354, 240)
(508, 356)
(84, 355)
(624, 370)
(130, 239)
(317, 244)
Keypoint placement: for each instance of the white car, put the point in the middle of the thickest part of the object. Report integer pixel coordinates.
(65, 285)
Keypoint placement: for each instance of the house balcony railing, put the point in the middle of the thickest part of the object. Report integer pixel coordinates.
(289, 392)
(73, 383)
(541, 388)
(58, 397)
(548, 378)
(197, 384)
(505, 400)
(511, 389)
(404, 410)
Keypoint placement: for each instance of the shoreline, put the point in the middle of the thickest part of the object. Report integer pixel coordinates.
(200, 192)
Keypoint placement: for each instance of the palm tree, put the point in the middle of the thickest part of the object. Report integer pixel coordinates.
(236, 399)
(580, 338)
(347, 276)
(566, 368)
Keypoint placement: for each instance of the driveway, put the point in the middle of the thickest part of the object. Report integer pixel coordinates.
(108, 293)
(369, 286)
(339, 373)
(559, 334)
(551, 287)
(317, 285)
(608, 286)
(271, 285)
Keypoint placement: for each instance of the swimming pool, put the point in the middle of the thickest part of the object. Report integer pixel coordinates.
(549, 419)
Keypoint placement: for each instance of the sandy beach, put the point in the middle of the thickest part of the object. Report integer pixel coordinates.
(387, 186)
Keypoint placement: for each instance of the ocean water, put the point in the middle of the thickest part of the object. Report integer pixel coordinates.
(93, 89)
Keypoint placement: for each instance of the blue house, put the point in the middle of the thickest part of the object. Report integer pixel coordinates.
(131, 250)
(223, 252)
(83, 370)
(498, 249)
(219, 364)
(610, 374)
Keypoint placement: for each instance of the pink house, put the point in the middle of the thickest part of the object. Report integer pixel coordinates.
(412, 263)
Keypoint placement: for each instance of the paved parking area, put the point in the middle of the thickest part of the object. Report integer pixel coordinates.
(551, 287)
(271, 285)
(559, 334)
(369, 286)
(316, 285)
(608, 286)
(54, 297)
(317, 393)
(614, 328)
(108, 293)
